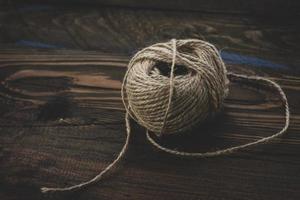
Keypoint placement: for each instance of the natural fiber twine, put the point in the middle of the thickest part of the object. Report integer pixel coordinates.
(170, 103)
(170, 87)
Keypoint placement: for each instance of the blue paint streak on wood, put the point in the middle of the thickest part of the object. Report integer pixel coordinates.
(228, 57)
(29, 43)
(234, 58)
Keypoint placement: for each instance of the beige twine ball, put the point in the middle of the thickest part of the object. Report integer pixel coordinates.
(200, 85)
(172, 86)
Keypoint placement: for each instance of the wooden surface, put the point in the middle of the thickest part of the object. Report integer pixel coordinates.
(62, 120)
(277, 9)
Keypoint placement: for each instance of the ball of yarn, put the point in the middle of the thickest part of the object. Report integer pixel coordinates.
(172, 86)
(199, 85)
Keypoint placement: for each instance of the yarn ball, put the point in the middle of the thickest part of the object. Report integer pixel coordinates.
(199, 80)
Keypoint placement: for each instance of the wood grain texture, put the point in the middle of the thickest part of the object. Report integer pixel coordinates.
(62, 119)
(281, 8)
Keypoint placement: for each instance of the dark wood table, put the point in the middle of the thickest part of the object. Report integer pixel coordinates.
(62, 119)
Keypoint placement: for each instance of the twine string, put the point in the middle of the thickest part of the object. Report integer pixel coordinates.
(230, 149)
(150, 96)
(102, 173)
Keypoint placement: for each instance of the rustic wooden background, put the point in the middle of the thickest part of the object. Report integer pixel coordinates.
(62, 120)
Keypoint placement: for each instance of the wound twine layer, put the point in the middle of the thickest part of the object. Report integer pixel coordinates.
(170, 87)
(168, 103)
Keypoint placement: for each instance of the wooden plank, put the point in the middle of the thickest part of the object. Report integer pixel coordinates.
(282, 8)
(124, 31)
(62, 119)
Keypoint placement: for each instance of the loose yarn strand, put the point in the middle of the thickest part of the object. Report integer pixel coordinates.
(235, 148)
(171, 85)
(100, 175)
